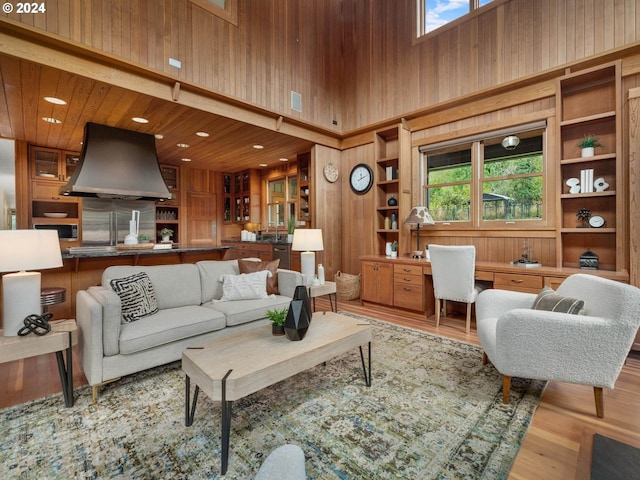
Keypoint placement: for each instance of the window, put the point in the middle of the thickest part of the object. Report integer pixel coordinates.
(434, 14)
(281, 202)
(481, 178)
(226, 9)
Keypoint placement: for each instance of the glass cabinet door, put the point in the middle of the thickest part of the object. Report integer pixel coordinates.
(45, 163)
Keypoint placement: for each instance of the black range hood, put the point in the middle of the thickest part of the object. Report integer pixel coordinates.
(117, 163)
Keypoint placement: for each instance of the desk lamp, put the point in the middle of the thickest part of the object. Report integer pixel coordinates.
(22, 250)
(308, 241)
(419, 216)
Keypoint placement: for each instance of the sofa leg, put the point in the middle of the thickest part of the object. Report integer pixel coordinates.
(437, 312)
(599, 397)
(94, 389)
(506, 388)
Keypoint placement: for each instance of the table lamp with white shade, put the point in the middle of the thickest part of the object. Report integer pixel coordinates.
(22, 250)
(308, 241)
(420, 217)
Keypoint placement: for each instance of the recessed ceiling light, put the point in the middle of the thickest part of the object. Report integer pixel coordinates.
(284, 159)
(51, 120)
(258, 147)
(140, 120)
(263, 164)
(185, 159)
(202, 134)
(183, 145)
(159, 136)
(57, 101)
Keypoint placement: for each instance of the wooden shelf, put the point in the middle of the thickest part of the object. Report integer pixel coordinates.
(588, 119)
(595, 158)
(606, 193)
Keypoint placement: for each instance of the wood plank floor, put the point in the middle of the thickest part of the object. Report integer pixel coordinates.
(564, 421)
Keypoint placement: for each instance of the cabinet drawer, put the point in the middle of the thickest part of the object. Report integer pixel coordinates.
(408, 269)
(406, 295)
(407, 278)
(49, 191)
(513, 281)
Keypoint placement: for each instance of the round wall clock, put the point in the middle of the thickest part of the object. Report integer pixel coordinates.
(331, 172)
(596, 221)
(361, 178)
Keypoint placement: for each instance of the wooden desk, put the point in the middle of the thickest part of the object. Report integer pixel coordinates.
(381, 287)
(63, 336)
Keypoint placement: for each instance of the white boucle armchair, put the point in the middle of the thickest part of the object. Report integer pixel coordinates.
(585, 349)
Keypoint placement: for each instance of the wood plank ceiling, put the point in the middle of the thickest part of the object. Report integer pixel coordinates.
(228, 148)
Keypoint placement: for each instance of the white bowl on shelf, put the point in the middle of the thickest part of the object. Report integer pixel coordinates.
(55, 215)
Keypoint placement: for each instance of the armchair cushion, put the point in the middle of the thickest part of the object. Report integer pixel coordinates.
(549, 300)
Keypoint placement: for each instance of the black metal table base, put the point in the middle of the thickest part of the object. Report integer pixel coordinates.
(66, 374)
(333, 298)
(226, 405)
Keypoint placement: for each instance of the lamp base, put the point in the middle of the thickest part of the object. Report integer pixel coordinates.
(20, 298)
(308, 266)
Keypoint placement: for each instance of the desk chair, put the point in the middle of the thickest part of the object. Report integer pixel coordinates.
(453, 271)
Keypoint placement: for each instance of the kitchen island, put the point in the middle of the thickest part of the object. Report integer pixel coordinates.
(82, 269)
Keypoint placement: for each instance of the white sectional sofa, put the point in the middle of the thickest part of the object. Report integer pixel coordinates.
(190, 311)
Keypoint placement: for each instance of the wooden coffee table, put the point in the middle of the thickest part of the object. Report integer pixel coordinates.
(234, 366)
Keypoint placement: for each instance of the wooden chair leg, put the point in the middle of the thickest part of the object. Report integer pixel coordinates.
(506, 388)
(485, 359)
(598, 394)
(437, 312)
(468, 318)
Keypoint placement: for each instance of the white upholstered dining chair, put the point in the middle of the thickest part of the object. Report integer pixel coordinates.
(588, 348)
(453, 271)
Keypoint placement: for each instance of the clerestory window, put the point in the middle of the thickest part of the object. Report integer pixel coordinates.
(434, 14)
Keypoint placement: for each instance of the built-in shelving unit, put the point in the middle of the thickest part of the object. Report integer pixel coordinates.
(168, 211)
(241, 197)
(589, 103)
(304, 188)
(386, 175)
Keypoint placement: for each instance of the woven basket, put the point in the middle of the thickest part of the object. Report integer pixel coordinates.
(347, 286)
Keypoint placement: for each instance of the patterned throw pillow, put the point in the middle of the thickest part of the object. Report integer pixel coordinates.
(549, 300)
(250, 266)
(136, 295)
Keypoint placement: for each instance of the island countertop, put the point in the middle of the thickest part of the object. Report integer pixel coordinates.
(93, 252)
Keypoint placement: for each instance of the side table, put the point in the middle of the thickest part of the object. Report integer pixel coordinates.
(327, 288)
(63, 336)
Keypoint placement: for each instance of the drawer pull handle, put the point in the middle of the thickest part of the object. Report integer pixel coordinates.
(517, 281)
(406, 269)
(407, 279)
(407, 289)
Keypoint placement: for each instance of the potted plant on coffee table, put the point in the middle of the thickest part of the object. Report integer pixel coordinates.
(277, 317)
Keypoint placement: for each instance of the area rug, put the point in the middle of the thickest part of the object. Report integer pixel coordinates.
(433, 411)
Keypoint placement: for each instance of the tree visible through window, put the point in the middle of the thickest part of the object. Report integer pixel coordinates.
(437, 13)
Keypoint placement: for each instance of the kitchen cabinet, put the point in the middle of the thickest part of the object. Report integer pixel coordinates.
(241, 250)
(50, 164)
(241, 197)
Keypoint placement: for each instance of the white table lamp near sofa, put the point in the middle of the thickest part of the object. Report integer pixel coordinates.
(308, 241)
(22, 250)
(420, 217)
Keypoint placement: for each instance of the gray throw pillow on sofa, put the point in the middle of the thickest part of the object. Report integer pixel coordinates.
(549, 300)
(137, 296)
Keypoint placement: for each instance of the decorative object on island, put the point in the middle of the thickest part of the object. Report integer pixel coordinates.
(394, 249)
(308, 241)
(419, 216)
(589, 260)
(291, 227)
(583, 215)
(510, 142)
(393, 201)
(588, 145)
(298, 317)
(23, 250)
(166, 233)
(134, 223)
(277, 317)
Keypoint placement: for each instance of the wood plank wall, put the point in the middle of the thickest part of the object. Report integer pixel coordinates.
(276, 47)
(390, 74)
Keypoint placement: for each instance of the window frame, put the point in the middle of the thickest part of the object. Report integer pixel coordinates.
(229, 13)
(476, 222)
(290, 200)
